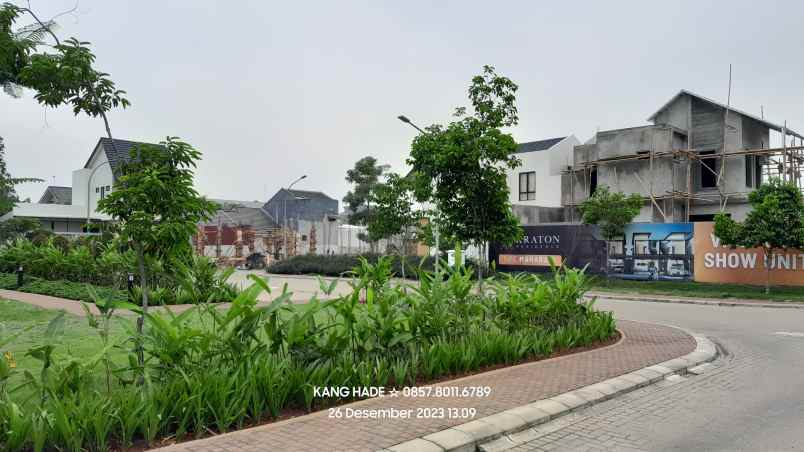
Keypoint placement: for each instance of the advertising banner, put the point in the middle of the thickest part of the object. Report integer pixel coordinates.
(571, 245)
(646, 251)
(724, 264)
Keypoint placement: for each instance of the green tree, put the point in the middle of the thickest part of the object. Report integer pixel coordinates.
(462, 167)
(393, 213)
(610, 211)
(8, 194)
(157, 206)
(365, 177)
(63, 76)
(775, 223)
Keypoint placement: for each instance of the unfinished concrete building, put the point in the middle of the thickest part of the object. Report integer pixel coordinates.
(697, 158)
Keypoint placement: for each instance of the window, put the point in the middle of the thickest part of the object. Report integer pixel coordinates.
(709, 169)
(593, 181)
(749, 170)
(97, 189)
(641, 244)
(527, 186)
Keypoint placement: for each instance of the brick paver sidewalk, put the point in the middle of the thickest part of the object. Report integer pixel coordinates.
(643, 345)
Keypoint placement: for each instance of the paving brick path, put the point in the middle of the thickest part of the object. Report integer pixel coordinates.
(643, 345)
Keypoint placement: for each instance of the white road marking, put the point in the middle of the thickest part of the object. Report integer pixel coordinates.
(788, 333)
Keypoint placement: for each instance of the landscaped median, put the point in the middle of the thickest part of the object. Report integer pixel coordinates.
(520, 396)
(210, 370)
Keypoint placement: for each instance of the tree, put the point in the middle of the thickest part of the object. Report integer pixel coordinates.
(393, 213)
(365, 176)
(158, 209)
(15, 227)
(65, 76)
(775, 222)
(8, 194)
(610, 211)
(462, 168)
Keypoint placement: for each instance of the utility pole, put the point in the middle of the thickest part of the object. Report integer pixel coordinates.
(285, 214)
(405, 119)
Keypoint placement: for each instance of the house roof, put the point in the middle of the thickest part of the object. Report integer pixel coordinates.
(241, 213)
(117, 151)
(684, 92)
(309, 194)
(541, 145)
(60, 195)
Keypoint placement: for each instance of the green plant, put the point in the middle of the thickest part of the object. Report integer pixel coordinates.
(610, 211)
(462, 168)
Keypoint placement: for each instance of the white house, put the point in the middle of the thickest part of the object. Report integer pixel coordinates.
(537, 182)
(66, 210)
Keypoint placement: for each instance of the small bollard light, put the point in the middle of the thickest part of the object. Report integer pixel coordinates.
(130, 284)
(19, 276)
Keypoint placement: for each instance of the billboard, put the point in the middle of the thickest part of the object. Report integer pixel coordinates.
(646, 251)
(724, 264)
(571, 245)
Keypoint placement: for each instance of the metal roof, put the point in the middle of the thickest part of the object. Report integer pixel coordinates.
(60, 195)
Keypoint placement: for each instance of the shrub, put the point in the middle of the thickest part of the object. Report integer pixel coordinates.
(62, 289)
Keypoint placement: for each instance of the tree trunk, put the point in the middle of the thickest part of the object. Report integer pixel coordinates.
(144, 286)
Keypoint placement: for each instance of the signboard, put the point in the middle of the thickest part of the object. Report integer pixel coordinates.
(571, 245)
(717, 263)
(649, 251)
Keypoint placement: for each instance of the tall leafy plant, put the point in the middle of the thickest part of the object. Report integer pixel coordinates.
(469, 158)
(157, 206)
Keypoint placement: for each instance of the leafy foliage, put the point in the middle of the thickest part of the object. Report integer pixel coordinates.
(468, 161)
(340, 265)
(610, 211)
(775, 222)
(8, 196)
(209, 370)
(155, 200)
(65, 76)
(366, 177)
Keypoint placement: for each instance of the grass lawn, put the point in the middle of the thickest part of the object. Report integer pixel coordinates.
(696, 289)
(79, 340)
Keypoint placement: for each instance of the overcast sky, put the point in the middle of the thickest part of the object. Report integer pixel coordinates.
(269, 91)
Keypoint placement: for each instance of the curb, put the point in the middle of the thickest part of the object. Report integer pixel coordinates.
(710, 302)
(469, 436)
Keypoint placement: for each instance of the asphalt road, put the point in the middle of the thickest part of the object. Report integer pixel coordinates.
(751, 398)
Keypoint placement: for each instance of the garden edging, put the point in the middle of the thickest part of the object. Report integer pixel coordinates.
(467, 437)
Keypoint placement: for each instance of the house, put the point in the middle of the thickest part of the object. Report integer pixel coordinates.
(294, 205)
(697, 156)
(537, 181)
(67, 210)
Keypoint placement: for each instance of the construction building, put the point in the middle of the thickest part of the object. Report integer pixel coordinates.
(697, 158)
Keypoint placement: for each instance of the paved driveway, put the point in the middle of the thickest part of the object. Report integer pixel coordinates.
(751, 399)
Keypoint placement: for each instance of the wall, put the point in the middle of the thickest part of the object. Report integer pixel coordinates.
(547, 165)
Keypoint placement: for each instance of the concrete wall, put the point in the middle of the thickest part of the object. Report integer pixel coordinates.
(101, 178)
(547, 165)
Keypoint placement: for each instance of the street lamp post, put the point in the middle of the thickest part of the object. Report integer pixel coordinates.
(89, 183)
(406, 120)
(285, 215)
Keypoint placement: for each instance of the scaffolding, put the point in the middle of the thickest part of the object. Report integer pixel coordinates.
(786, 163)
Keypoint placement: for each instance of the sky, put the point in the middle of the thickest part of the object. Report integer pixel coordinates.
(269, 91)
